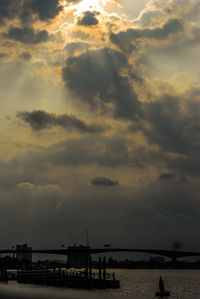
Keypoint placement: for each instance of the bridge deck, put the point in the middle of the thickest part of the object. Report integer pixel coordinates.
(166, 253)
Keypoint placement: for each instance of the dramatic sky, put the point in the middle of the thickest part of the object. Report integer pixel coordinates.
(100, 122)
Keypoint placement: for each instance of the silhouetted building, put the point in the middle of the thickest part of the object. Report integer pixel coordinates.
(23, 252)
(78, 256)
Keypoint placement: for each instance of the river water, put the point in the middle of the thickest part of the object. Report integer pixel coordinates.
(139, 284)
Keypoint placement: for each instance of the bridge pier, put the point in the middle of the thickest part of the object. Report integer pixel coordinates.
(79, 257)
(174, 260)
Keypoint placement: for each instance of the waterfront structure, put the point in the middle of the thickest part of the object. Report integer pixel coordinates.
(78, 256)
(23, 252)
(80, 278)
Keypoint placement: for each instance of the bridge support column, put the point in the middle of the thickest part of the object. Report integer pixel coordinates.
(78, 258)
(174, 260)
(104, 268)
(100, 268)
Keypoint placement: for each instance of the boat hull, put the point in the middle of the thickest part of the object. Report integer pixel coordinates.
(162, 294)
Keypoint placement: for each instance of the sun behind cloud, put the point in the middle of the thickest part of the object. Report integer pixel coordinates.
(90, 5)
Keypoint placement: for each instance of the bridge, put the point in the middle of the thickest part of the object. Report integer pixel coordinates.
(76, 253)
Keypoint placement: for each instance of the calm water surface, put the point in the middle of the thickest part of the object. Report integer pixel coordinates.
(183, 284)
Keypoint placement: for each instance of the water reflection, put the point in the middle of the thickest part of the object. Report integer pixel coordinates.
(138, 284)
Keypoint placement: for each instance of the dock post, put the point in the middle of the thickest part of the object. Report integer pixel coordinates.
(4, 275)
(100, 268)
(86, 267)
(104, 268)
(90, 267)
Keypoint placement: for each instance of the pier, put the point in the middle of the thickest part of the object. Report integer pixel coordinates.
(72, 278)
(3, 275)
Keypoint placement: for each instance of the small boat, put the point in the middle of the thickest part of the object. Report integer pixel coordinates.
(162, 292)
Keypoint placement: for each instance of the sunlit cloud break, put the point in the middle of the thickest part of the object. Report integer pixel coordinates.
(86, 5)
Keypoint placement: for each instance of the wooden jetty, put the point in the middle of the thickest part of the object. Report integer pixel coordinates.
(71, 278)
(3, 275)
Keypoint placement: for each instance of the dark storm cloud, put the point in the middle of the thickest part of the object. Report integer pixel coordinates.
(40, 120)
(8, 9)
(45, 9)
(123, 39)
(169, 126)
(103, 83)
(27, 35)
(25, 10)
(88, 19)
(74, 47)
(170, 27)
(174, 131)
(167, 176)
(103, 182)
(166, 124)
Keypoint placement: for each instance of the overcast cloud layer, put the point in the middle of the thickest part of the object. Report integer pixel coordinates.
(100, 122)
